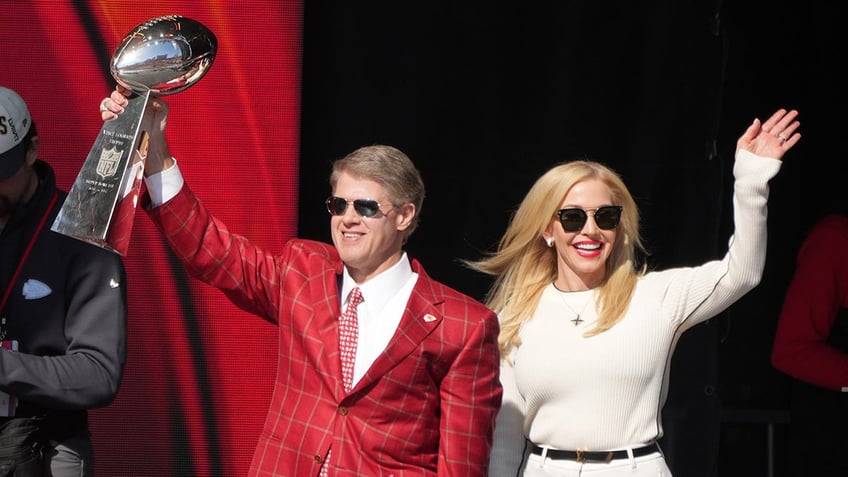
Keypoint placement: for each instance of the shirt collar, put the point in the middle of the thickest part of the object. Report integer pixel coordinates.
(379, 289)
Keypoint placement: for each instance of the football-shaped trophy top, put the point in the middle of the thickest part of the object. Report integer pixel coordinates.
(164, 55)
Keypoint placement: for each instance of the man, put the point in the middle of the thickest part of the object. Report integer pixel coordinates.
(423, 390)
(62, 317)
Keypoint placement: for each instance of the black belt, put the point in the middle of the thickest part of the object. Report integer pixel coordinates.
(595, 456)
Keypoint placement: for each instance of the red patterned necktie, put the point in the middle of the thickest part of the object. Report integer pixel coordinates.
(348, 336)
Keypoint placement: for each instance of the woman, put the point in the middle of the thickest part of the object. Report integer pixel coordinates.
(568, 290)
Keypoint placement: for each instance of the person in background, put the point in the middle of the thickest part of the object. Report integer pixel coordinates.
(587, 334)
(62, 317)
(811, 346)
(411, 388)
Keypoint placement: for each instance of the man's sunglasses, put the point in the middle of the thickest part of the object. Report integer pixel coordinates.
(573, 219)
(363, 207)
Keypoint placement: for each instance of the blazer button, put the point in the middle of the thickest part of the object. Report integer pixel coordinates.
(343, 410)
(317, 459)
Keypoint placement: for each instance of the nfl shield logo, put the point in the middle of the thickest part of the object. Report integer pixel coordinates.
(108, 163)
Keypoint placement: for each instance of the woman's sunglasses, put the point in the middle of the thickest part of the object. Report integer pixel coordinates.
(363, 207)
(573, 219)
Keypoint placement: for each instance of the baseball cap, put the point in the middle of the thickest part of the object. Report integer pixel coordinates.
(15, 122)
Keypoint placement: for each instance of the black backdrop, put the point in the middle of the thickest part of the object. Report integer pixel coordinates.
(486, 96)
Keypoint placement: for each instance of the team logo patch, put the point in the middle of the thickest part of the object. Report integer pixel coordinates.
(34, 289)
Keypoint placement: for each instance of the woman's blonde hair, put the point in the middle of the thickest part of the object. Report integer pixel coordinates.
(524, 265)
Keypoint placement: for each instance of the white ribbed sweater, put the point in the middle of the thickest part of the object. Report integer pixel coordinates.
(606, 392)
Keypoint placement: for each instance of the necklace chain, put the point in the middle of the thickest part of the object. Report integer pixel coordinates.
(576, 320)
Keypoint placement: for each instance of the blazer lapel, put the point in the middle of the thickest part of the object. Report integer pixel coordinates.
(421, 317)
(324, 292)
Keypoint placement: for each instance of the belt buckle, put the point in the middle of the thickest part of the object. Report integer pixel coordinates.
(581, 457)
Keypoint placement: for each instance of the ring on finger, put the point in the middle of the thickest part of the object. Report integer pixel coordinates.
(782, 139)
(103, 107)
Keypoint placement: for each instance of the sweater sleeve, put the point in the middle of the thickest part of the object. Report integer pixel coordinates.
(695, 294)
(816, 295)
(508, 449)
(75, 357)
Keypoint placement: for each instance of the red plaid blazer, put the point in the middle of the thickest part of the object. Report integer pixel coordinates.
(426, 406)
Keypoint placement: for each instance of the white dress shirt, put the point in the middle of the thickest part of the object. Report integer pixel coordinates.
(384, 302)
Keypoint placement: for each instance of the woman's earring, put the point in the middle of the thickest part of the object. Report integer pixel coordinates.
(550, 241)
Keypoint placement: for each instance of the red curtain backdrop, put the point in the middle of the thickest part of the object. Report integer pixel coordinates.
(199, 371)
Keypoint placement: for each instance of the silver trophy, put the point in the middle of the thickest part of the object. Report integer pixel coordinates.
(161, 56)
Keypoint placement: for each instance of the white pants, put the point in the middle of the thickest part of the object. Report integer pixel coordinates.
(651, 465)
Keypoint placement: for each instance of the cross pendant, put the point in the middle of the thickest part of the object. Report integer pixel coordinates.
(577, 320)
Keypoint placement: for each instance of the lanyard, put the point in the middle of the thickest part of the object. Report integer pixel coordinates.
(23, 259)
